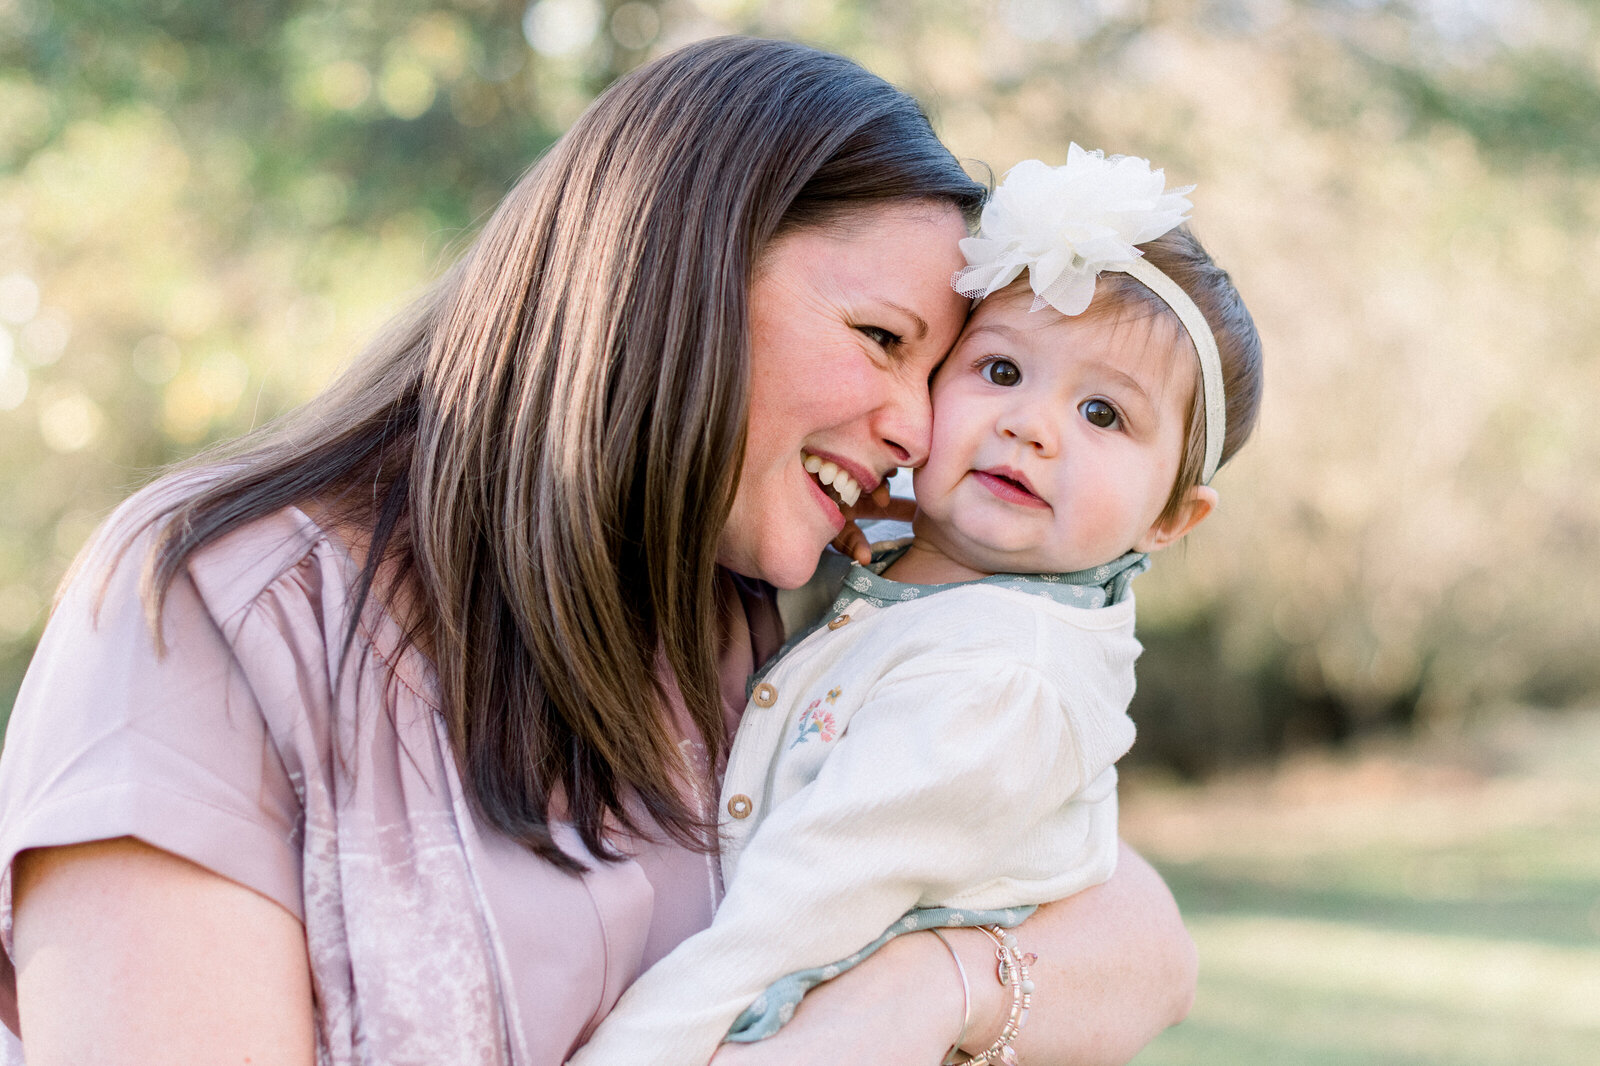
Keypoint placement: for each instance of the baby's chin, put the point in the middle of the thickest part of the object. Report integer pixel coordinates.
(986, 554)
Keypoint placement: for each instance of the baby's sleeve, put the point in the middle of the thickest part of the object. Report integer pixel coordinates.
(935, 784)
(109, 739)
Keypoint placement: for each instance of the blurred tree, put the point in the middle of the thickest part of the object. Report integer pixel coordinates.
(205, 209)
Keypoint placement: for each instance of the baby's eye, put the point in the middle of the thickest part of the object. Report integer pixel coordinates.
(1001, 372)
(1099, 413)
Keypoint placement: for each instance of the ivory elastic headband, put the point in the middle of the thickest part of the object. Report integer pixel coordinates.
(1205, 345)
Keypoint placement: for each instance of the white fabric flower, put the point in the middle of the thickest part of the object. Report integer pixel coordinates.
(1066, 224)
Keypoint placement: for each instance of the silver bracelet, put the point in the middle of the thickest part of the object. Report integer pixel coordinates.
(966, 998)
(1011, 970)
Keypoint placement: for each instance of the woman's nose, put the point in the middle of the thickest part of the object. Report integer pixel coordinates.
(905, 421)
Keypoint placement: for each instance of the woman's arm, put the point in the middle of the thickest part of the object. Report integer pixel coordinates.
(118, 942)
(1115, 968)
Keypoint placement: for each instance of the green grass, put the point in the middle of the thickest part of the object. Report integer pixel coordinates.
(1390, 909)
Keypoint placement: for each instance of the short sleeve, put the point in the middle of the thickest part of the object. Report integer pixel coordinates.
(108, 738)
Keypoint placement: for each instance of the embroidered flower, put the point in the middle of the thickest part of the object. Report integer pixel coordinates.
(1064, 225)
(814, 723)
(834, 693)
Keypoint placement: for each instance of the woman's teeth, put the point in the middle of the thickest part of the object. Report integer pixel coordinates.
(844, 487)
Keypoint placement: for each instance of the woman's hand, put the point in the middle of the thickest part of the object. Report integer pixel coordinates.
(119, 944)
(877, 505)
(1115, 967)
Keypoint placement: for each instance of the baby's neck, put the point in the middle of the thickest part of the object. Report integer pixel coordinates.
(924, 564)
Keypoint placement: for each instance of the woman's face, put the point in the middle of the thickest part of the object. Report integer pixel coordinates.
(847, 322)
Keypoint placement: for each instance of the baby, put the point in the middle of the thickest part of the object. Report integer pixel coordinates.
(939, 748)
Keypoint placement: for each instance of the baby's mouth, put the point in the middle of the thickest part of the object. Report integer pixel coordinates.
(840, 486)
(1012, 482)
(1009, 485)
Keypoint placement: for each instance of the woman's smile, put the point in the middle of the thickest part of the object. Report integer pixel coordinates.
(830, 505)
(831, 475)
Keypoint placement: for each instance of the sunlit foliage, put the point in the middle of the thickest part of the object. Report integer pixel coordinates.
(205, 208)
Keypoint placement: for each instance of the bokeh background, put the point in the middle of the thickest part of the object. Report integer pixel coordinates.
(1370, 749)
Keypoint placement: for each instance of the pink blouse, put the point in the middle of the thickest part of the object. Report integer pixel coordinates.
(432, 938)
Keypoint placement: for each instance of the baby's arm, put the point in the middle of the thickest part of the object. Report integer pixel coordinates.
(929, 791)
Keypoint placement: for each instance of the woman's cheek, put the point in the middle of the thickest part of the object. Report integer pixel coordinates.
(773, 535)
(797, 569)
(786, 558)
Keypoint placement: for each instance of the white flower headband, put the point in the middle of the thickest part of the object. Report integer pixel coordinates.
(1066, 225)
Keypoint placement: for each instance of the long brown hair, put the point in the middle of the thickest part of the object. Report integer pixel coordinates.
(543, 449)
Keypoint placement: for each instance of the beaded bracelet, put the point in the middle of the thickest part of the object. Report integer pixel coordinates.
(1011, 970)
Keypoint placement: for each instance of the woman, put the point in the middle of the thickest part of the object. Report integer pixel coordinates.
(415, 770)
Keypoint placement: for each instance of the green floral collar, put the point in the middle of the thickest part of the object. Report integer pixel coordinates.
(1099, 586)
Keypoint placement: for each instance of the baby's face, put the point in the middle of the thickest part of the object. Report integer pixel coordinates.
(1055, 440)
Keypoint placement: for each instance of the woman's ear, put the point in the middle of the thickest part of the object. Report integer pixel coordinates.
(1198, 502)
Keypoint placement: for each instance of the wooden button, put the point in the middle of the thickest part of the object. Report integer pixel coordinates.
(842, 620)
(765, 696)
(740, 806)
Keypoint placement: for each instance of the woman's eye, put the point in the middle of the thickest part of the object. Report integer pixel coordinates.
(881, 337)
(1099, 413)
(1001, 372)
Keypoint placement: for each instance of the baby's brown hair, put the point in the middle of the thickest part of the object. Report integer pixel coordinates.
(1180, 255)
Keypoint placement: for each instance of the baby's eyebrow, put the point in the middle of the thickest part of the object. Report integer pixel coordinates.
(1126, 379)
(996, 328)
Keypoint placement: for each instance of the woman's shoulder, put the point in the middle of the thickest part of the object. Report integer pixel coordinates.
(284, 551)
(277, 589)
(231, 570)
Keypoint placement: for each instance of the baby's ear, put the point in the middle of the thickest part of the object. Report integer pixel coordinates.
(1199, 502)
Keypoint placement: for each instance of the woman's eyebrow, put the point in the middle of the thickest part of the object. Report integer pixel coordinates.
(921, 324)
